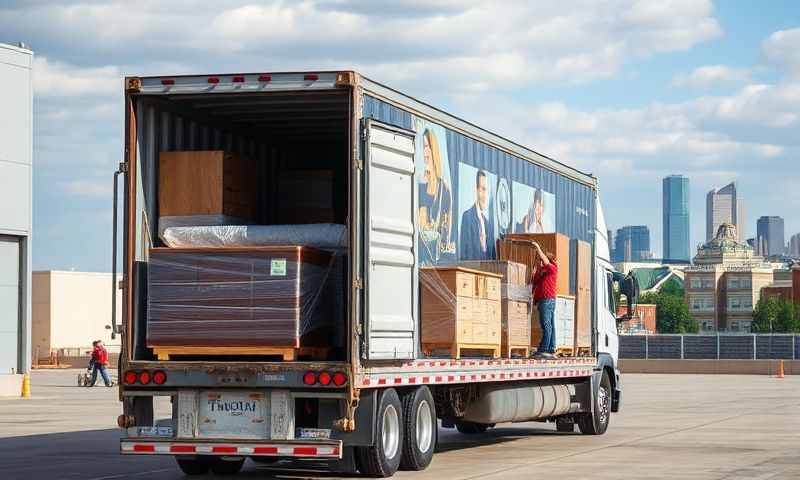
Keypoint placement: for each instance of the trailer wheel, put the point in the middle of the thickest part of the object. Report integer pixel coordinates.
(471, 428)
(383, 458)
(193, 466)
(596, 422)
(220, 466)
(419, 429)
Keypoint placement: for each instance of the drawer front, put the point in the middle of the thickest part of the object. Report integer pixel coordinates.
(465, 334)
(492, 310)
(465, 309)
(479, 312)
(492, 288)
(465, 284)
(480, 333)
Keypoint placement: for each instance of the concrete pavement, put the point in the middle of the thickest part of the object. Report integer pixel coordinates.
(670, 427)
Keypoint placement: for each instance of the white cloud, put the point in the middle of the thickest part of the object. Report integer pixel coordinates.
(782, 49)
(57, 79)
(96, 188)
(712, 75)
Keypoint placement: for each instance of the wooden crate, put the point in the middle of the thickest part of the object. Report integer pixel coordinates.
(564, 323)
(516, 327)
(238, 300)
(583, 297)
(555, 243)
(209, 182)
(512, 272)
(460, 311)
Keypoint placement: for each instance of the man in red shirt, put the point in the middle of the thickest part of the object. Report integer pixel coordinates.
(99, 362)
(544, 280)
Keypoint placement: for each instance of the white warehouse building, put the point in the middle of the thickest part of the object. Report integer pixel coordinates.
(16, 154)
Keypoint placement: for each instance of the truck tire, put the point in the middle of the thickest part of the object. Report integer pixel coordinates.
(470, 428)
(220, 466)
(596, 422)
(419, 429)
(383, 458)
(193, 466)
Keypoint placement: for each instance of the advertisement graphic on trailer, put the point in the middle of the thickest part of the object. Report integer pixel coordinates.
(534, 209)
(437, 242)
(476, 212)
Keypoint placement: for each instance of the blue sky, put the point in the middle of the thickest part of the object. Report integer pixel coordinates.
(628, 90)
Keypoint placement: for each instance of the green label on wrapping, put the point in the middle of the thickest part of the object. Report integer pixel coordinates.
(278, 267)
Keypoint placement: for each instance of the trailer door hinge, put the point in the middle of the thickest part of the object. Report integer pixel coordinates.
(123, 167)
(364, 134)
(358, 283)
(122, 285)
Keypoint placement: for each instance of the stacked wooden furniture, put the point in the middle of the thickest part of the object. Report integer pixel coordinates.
(209, 182)
(517, 247)
(515, 302)
(460, 311)
(583, 298)
(238, 301)
(564, 324)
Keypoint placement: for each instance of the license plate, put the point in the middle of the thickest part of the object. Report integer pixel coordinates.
(313, 433)
(150, 432)
(233, 414)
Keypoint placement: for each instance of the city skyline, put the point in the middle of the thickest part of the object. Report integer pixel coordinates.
(676, 212)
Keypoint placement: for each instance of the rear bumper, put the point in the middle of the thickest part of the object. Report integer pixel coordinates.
(330, 449)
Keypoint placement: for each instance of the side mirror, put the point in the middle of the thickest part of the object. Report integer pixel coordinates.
(629, 287)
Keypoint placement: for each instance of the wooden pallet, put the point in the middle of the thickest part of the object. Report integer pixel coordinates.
(564, 351)
(516, 351)
(584, 352)
(455, 350)
(287, 353)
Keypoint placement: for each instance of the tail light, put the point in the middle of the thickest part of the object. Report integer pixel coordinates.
(325, 378)
(310, 77)
(213, 80)
(159, 377)
(339, 379)
(264, 78)
(167, 81)
(310, 378)
(238, 79)
(144, 378)
(129, 378)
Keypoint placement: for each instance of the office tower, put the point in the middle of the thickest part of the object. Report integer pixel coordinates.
(769, 236)
(724, 206)
(611, 244)
(794, 246)
(632, 244)
(675, 205)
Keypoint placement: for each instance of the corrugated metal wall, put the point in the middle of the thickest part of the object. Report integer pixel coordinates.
(574, 201)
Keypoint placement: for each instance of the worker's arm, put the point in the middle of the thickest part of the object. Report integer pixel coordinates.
(542, 256)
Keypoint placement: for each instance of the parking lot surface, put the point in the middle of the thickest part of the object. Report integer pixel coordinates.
(670, 427)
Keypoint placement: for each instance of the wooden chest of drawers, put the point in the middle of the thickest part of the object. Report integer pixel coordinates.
(460, 310)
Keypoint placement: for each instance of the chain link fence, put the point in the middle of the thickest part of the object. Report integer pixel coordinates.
(711, 347)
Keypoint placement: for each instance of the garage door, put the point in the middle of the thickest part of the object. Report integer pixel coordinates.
(9, 303)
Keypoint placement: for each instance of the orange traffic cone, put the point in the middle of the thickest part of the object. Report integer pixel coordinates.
(780, 370)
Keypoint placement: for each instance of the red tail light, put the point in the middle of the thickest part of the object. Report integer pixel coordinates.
(310, 77)
(159, 377)
(167, 81)
(265, 78)
(129, 378)
(325, 378)
(144, 378)
(310, 378)
(213, 80)
(339, 379)
(238, 79)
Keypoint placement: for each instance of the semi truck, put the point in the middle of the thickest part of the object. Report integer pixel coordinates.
(378, 405)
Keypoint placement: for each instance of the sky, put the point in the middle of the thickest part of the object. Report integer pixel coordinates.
(630, 91)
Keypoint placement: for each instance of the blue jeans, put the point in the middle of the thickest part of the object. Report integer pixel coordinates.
(103, 373)
(547, 312)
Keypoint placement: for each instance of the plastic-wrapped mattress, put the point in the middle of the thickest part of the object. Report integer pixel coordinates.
(202, 231)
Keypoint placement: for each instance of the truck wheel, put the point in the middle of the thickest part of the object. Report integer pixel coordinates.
(419, 429)
(596, 423)
(383, 458)
(221, 466)
(470, 428)
(193, 466)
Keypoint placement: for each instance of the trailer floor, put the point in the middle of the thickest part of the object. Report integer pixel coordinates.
(671, 427)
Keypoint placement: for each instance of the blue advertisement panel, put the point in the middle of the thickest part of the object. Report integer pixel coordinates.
(471, 194)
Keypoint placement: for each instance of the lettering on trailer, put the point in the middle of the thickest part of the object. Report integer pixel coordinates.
(235, 408)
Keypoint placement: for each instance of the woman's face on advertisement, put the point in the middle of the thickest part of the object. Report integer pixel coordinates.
(426, 154)
(538, 209)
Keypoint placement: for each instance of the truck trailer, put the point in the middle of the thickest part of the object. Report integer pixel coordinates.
(336, 148)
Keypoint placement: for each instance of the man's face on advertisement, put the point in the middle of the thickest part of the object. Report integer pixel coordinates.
(482, 191)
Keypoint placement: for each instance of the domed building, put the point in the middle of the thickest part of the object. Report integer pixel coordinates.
(725, 281)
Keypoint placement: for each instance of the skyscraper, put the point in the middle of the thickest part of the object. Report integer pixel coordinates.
(769, 236)
(675, 204)
(724, 206)
(794, 246)
(632, 244)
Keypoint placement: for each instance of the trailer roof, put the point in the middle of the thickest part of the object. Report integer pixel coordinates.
(276, 81)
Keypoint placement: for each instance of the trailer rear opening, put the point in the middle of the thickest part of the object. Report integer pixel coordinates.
(319, 267)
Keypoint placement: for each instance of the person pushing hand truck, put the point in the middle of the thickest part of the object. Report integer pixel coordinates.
(543, 283)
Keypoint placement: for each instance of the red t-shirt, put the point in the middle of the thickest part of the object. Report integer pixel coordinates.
(544, 282)
(100, 355)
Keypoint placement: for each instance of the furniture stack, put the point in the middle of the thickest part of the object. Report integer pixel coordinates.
(461, 311)
(515, 302)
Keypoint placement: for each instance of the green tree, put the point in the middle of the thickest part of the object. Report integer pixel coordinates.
(774, 315)
(672, 313)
